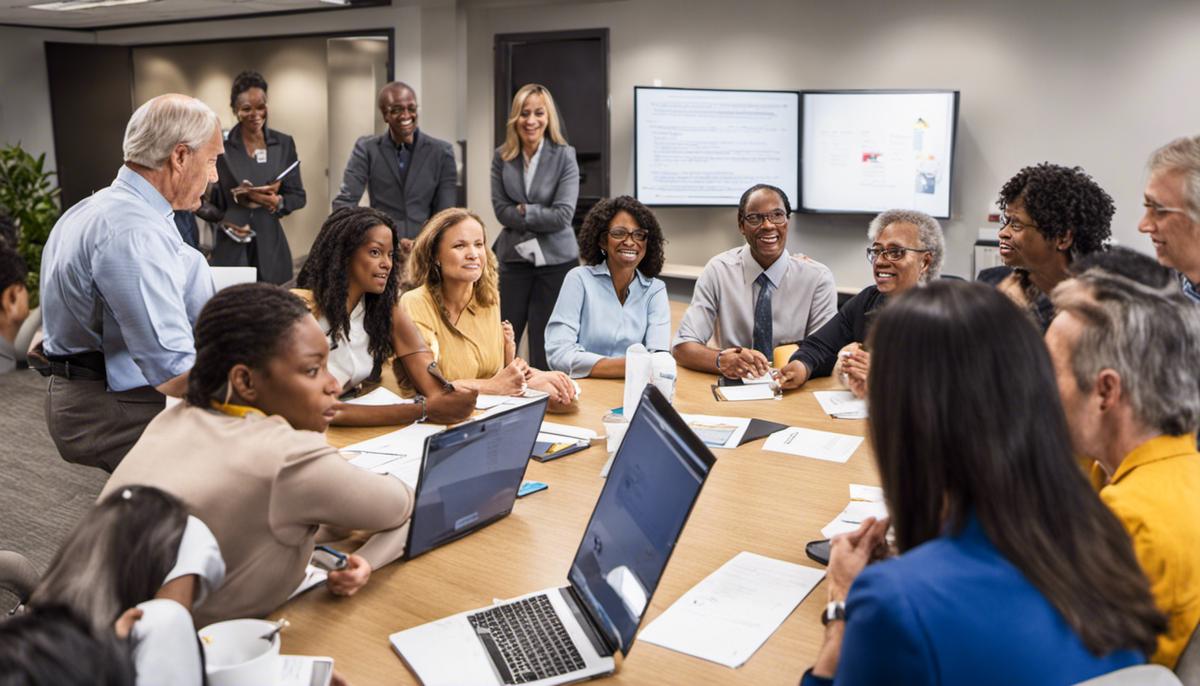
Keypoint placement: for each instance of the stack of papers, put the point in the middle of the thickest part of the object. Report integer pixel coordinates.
(819, 445)
(726, 617)
(576, 432)
(842, 404)
(718, 432)
(748, 391)
(865, 501)
(379, 396)
(397, 453)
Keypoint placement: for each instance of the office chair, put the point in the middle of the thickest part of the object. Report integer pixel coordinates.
(17, 577)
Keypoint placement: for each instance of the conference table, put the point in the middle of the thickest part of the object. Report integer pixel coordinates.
(764, 502)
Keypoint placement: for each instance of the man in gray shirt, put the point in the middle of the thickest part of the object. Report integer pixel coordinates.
(754, 298)
(409, 174)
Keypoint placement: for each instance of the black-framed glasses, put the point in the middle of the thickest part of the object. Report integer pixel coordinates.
(394, 110)
(1015, 224)
(893, 254)
(1160, 211)
(620, 234)
(755, 220)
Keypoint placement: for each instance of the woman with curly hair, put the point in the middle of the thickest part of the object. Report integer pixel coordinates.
(1051, 215)
(614, 300)
(457, 310)
(351, 286)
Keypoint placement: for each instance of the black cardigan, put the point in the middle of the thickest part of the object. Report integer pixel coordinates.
(819, 351)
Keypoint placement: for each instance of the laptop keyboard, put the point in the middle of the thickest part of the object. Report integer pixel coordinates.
(526, 640)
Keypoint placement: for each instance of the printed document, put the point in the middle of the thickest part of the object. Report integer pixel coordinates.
(819, 445)
(842, 404)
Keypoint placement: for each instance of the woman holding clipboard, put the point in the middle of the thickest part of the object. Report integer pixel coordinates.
(259, 182)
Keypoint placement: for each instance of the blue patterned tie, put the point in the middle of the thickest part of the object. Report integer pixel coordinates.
(403, 154)
(763, 336)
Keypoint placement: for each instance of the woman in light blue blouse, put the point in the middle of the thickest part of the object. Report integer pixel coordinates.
(613, 301)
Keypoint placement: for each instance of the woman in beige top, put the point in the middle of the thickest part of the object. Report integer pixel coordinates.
(352, 287)
(246, 454)
(457, 310)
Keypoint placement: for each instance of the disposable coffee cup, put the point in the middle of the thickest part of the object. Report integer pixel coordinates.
(236, 655)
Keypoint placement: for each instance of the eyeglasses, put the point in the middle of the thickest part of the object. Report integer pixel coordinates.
(395, 110)
(776, 217)
(620, 234)
(1015, 224)
(893, 254)
(1159, 212)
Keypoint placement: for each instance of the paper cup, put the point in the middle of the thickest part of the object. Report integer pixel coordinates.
(614, 431)
(236, 655)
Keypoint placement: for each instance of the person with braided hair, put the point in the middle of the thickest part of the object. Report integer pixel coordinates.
(246, 454)
(351, 284)
(1051, 215)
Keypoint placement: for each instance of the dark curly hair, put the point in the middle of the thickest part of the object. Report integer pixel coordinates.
(787, 206)
(595, 225)
(1061, 199)
(326, 274)
(244, 82)
(242, 324)
(12, 268)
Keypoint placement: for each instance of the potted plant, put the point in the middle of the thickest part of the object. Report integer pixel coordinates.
(28, 196)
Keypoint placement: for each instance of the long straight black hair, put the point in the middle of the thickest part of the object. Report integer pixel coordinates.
(966, 418)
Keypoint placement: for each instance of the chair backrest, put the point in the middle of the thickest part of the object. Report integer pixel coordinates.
(17, 576)
(1140, 675)
(1188, 667)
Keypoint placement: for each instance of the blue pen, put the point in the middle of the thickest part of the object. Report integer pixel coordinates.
(340, 557)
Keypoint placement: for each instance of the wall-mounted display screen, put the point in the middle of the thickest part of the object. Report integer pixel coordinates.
(706, 147)
(869, 151)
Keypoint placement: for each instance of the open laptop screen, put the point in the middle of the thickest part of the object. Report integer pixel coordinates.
(471, 474)
(654, 481)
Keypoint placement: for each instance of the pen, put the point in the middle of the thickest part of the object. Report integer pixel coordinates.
(437, 375)
(339, 556)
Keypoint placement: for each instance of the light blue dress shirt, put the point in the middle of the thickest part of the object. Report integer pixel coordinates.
(116, 277)
(589, 322)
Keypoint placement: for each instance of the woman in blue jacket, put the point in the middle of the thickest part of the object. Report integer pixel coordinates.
(1011, 570)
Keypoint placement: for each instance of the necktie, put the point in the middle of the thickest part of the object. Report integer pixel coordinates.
(763, 336)
(402, 157)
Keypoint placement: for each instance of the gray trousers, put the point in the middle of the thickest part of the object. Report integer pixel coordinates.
(95, 427)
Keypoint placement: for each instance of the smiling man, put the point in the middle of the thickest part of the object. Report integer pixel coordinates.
(1051, 215)
(1172, 216)
(754, 298)
(409, 174)
(120, 289)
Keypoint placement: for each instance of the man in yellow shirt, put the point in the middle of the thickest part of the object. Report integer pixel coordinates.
(1125, 344)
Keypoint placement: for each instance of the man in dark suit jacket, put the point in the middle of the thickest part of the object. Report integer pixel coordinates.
(409, 174)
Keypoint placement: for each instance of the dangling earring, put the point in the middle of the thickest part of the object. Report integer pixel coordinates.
(437, 272)
(603, 252)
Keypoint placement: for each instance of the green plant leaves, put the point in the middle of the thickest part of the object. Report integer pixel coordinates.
(31, 199)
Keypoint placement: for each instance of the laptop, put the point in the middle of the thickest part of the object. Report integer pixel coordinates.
(585, 629)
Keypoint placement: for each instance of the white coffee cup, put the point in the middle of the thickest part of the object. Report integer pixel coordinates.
(236, 655)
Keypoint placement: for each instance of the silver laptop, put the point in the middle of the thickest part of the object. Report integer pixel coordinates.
(584, 629)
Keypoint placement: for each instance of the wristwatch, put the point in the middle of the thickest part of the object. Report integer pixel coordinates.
(418, 398)
(835, 611)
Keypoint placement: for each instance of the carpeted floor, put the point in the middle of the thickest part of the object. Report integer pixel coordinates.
(41, 497)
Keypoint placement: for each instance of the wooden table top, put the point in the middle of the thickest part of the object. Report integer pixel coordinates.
(764, 502)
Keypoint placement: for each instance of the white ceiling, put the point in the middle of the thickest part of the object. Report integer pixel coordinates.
(18, 12)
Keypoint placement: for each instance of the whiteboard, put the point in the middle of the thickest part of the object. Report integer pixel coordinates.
(706, 147)
(869, 151)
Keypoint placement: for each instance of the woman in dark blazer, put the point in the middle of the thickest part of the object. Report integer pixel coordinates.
(254, 157)
(535, 183)
(1011, 570)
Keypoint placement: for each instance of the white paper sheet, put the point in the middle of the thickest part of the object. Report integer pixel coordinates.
(771, 376)
(726, 617)
(379, 396)
(304, 670)
(397, 453)
(842, 404)
(865, 501)
(754, 391)
(313, 575)
(718, 432)
(819, 445)
(487, 402)
(569, 431)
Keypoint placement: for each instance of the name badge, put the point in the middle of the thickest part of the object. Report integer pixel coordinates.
(260, 155)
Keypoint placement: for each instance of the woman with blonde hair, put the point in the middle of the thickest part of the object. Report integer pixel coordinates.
(535, 183)
(456, 307)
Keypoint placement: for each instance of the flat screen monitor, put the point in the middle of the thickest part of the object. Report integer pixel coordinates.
(703, 147)
(869, 151)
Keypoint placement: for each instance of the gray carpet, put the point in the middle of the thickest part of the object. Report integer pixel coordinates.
(41, 497)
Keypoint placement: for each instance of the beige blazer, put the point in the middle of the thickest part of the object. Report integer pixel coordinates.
(263, 488)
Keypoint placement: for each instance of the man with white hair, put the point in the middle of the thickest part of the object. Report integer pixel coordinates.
(1172, 217)
(1120, 344)
(120, 289)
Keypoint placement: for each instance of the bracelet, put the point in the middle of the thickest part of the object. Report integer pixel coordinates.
(424, 410)
(718, 363)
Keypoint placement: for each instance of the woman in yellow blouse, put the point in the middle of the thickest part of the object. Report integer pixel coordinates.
(457, 310)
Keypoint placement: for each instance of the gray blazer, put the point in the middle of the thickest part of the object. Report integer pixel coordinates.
(429, 185)
(549, 206)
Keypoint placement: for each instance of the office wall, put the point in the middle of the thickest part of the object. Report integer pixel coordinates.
(1098, 83)
(25, 90)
